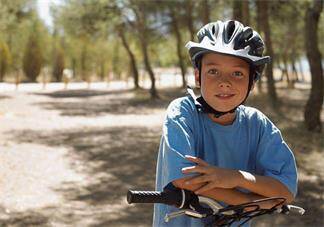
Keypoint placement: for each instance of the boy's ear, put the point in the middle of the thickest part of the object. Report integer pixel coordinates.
(197, 81)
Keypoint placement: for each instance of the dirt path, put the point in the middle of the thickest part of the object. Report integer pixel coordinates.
(59, 154)
(68, 157)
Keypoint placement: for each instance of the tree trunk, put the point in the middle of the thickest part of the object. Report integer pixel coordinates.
(205, 12)
(142, 30)
(189, 10)
(294, 69)
(285, 70)
(84, 73)
(314, 104)
(176, 30)
(245, 13)
(237, 10)
(148, 68)
(131, 57)
(74, 67)
(278, 64)
(264, 22)
(102, 70)
(258, 15)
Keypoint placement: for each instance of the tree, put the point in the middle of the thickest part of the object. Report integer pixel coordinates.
(241, 11)
(15, 20)
(189, 7)
(245, 12)
(122, 35)
(5, 59)
(314, 104)
(205, 11)
(77, 20)
(262, 10)
(33, 59)
(58, 64)
(176, 28)
(237, 10)
(141, 11)
(287, 40)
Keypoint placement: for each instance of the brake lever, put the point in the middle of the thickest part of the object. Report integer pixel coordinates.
(291, 208)
(188, 212)
(214, 205)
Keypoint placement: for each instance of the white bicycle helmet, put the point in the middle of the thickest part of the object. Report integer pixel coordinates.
(231, 38)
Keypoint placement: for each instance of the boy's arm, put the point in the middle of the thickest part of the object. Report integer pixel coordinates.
(214, 178)
(264, 185)
(228, 196)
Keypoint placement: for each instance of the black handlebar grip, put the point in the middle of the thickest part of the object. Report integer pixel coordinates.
(170, 197)
(144, 197)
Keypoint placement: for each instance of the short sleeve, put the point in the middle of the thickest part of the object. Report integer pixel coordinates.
(274, 157)
(177, 140)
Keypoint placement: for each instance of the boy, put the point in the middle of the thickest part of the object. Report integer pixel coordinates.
(214, 145)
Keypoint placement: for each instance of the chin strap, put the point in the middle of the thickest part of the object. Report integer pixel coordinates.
(203, 106)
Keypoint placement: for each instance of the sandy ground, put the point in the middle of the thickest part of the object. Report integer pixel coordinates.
(68, 157)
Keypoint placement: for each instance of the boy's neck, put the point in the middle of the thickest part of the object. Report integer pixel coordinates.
(226, 119)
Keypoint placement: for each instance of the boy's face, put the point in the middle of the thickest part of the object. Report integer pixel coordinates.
(224, 80)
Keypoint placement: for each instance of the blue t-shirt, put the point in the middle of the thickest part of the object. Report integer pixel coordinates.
(251, 143)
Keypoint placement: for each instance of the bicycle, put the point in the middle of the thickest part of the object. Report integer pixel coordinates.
(202, 207)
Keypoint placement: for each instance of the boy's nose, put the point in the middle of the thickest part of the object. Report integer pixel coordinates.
(224, 84)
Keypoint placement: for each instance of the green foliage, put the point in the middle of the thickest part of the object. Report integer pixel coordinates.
(92, 45)
(287, 29)
(16, 19)
(33, 59)
(5, 59)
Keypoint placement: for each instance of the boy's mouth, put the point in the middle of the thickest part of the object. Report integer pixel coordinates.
(224, 96)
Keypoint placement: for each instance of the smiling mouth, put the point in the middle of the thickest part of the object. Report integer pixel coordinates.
(224, 96)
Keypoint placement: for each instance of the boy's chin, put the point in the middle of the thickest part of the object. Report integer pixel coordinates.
(223, 109)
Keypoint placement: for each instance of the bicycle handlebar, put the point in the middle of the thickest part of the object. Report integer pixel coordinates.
(175, 198)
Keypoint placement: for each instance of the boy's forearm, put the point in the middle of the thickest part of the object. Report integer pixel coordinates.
(264, 185)
(228, 196)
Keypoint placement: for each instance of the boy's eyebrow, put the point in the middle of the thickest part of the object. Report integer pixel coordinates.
(211, 63)
(237, 65)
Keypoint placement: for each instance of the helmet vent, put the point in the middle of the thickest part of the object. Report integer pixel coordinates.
(229, 30)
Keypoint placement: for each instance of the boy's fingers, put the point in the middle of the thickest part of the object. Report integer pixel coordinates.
(204, 188)
(196, 160)
(194, 169)
(197, 180)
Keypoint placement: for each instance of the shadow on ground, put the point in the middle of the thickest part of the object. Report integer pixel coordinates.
(4, 97)
(28, 218)
(114, 160)
(96, 102)
(310, 197)
(80, 93)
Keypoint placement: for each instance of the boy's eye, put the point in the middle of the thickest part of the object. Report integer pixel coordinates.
(213, 71)
(237, 74)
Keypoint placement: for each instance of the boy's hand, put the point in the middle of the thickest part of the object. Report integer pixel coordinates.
(212, 176)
